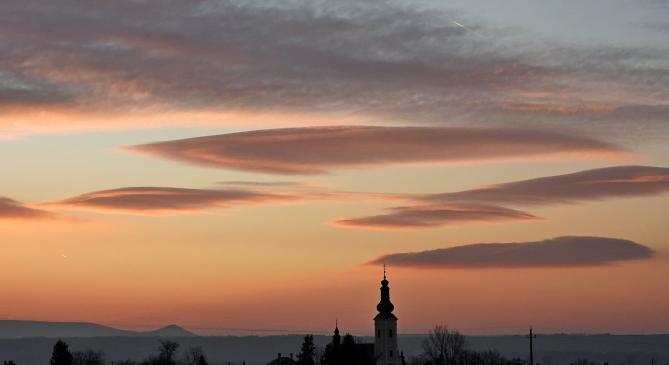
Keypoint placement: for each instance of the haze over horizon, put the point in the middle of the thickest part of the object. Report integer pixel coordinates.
(247, 167)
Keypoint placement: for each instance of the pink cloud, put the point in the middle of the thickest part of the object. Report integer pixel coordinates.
(116, 58)
(431, 216)
(319, 150)
(11, 209)
(170, 200)
(569, 251)
(596, 184)
(151, 200)
(486, 203)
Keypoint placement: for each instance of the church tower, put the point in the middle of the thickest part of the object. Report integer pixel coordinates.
(385, 329)
(336, 339)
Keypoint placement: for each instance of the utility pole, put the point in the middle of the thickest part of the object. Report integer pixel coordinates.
(531, 336)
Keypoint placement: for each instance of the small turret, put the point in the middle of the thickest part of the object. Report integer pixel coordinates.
(336, 339)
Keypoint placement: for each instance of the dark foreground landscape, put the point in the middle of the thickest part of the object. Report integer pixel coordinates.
(548, 349)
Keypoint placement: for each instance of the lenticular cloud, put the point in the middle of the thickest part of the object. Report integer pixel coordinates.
(588, 185)
(490, 203)
(431, 216)
(12, 209)
(318, 150)
(570, 251)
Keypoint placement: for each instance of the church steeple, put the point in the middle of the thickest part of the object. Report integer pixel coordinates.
(385, 328)
(336, 339)
(385, 306)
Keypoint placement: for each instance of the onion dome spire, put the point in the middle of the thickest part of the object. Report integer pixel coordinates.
(385, 306)
(336, 339)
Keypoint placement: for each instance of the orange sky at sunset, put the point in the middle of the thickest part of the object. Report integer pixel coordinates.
(239, 168)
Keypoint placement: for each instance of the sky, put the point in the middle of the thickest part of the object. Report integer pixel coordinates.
(247, 167)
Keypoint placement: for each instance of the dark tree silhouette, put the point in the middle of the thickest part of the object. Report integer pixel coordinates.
(491, 357)
(348, 340)
(584, 362)
(88, 357)
(192, 355)
(328, 357)
(307, 354)
(166, 352)
(195, 356)
(342, 354)
(125, 362)
(443, 347)
(348, 351)
(61, 354)
(10, 362)
(202, 360)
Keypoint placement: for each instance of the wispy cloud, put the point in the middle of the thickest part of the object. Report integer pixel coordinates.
(171, 200)
(570, 251)
(319, 150)
(12, 209)
(392, 61)
(276, 184)
(430, 216)
(597, 184)
(488, 203)
(165, 200)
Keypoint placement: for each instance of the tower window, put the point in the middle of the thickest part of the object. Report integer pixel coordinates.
(378, 333)
(390, 333)
(390, 353)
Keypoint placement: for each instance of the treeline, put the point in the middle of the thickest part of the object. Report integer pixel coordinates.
(166, 354)
(441, 347)
(445, 347)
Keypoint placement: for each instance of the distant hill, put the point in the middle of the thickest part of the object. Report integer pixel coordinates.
(168, 331)
(12, 329)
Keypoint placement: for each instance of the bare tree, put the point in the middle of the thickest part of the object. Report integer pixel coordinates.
(167, 350)
(88, 357)
(192, 355)
(491, 357)
(443, 347)
(195, 356)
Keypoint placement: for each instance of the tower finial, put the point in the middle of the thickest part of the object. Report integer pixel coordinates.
(384, 271)
(336, 337)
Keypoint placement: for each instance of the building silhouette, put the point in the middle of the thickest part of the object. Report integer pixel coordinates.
(384, 350)
(385, 328)
(283, 360)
